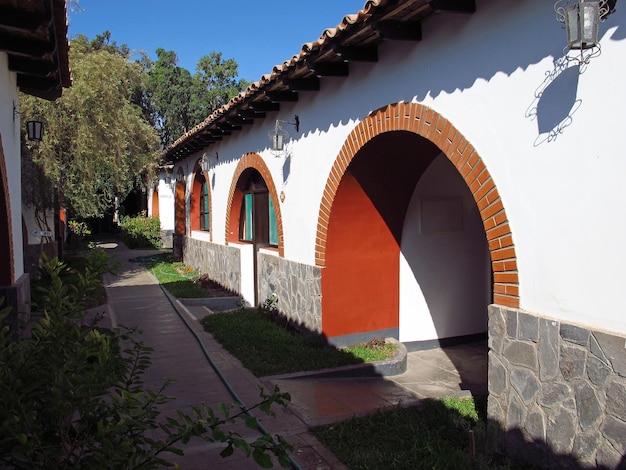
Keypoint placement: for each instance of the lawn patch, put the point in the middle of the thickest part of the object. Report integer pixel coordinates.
(436, 434)
(265, 348)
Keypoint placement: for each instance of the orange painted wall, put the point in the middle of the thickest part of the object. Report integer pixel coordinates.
(194, 204)
(180, 208)
(155, 203)
(361, 279)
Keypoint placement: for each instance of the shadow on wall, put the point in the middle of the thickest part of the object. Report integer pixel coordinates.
(555, 102)
(540, 454)
(516, 49)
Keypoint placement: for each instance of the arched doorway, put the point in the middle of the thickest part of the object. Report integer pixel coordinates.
(180, 211)
(6, 257)
(380, 165)
(200, 203)
(253, 219)
(155, 203)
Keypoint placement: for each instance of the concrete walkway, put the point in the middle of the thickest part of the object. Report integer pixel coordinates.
(180, 344)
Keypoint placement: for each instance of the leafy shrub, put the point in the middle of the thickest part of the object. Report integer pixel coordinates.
(81, 278)
(72, 395)
(79, 234)
(141, 232)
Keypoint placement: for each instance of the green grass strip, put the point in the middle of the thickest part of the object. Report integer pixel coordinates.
(265, 348)
(432, 435)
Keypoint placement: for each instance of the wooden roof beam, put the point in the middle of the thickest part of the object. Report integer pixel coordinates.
(356, 53)
(278, 96)
(29, 66)
(457, 6)
(329, 69)
(251, 113)
(303, 84)
(399, 31)
(24, 46)
(23, 20)
(265, 106)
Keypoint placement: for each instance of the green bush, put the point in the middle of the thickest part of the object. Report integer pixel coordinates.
(72, 395)
(141, 232)
(79, 234)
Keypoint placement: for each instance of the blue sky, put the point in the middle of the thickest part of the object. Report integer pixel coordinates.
(258, 35)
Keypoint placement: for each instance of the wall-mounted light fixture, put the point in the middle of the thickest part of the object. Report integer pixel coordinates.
(180, 176)
(279, 136)
(581, 19)
(205, 161)
(34, 129)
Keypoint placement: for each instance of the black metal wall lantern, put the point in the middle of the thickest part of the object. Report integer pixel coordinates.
(582, 19)
(279, 136)
(34, 129)
(205, 161)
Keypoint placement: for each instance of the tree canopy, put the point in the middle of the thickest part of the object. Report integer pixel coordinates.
(114, 119)
(97, 140)
(179, 101)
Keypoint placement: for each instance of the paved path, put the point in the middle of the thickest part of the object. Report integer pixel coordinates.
(136, 300)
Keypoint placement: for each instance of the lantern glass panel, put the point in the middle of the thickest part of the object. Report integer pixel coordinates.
(34, 130)
(581, 25)
(278, 142)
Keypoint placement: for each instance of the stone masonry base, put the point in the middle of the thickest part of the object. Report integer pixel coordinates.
(557, 392)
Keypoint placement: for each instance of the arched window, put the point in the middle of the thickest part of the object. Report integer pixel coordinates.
(205, 216)
(257, 217)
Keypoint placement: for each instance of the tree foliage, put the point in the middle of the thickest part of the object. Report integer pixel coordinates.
(179, 101)
(215, 83)
(112, 121)
(97, 140)
(169, 89)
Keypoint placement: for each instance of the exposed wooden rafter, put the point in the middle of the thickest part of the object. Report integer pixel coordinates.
(251, 113)
(329, 69)
(265, 106)
(33, 34)
(458, 6)
(302, 84)
(278, 96)
(398, 31)
(357, 53)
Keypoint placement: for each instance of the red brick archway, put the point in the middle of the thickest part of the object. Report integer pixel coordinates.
(427, 123)
(7, 273)
(251, 161)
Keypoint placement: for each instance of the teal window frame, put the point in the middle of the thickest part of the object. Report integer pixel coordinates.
(272, 223)
(205, 216)
(247, 214)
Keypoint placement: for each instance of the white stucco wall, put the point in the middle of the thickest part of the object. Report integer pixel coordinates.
(10, 131)
(557, 160)
(32, 226)
(445, 283)
(166, 204)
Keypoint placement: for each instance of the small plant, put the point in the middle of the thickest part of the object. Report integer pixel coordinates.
(141, 232)
(374, 350)
(270, 304)
(73, 397)
(79, 234)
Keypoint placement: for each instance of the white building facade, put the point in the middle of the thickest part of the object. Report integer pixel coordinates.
(464, 185)
(33, 60)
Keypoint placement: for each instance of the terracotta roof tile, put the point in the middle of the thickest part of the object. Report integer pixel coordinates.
(329, 36)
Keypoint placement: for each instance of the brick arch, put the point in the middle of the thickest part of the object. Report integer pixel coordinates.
(254, 161)
(426, 122)
(7, 276)
(155, 202)
(194, 202)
